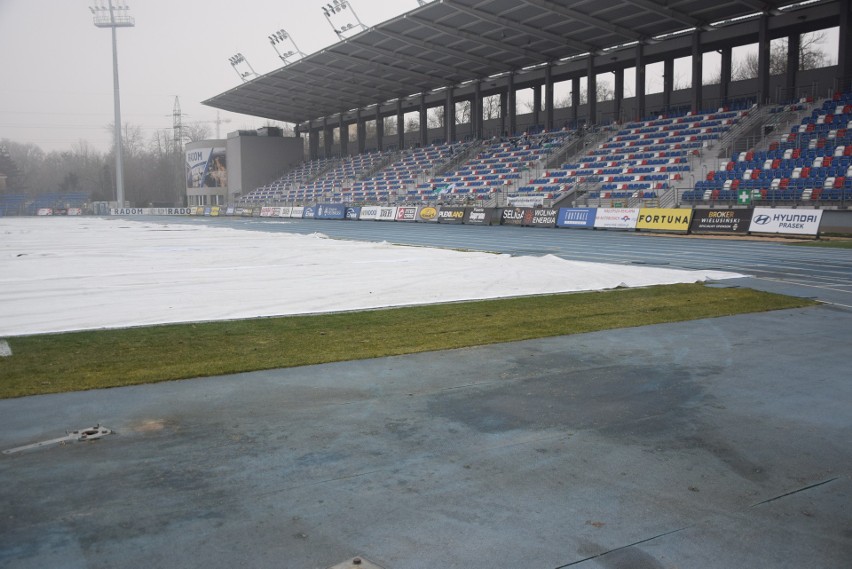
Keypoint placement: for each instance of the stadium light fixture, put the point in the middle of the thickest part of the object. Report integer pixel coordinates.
(242, 67)
(280, 37)
(109, 16)
(337, 10)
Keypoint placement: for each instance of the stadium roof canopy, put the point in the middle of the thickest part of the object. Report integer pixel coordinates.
(449, 42)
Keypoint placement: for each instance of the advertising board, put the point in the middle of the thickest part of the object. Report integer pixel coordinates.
(785, 220)
(330, 211)
(427, 214)
(664, 219)
(515, 215)
(406, 213)
(616, 218)
(370, 212)
(206, 168)
(479, 215)
(353, 213)
(715, 220)
(387, 214)
(576, 217)
(451, 215)
(297, 212)
(541, 217)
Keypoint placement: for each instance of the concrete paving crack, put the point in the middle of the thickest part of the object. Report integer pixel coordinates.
(803, 489)
(573, 563)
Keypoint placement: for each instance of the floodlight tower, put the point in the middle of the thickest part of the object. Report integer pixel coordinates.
(237, 60)
(109, 16)
(339, 7)
(281, 36)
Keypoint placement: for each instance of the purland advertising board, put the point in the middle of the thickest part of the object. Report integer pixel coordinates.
(785, 220)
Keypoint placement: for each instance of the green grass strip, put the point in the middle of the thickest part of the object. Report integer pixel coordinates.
(109, 358)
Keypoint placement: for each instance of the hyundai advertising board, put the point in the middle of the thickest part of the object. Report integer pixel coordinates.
(785, 220)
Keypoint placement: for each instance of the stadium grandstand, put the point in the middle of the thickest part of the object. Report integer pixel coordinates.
(697, 144)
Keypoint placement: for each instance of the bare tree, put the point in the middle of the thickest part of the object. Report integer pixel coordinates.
(196, 131)
(811, 56)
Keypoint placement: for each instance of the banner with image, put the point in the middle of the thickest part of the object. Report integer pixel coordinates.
(206, 168)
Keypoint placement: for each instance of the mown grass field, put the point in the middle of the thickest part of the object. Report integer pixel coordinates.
(110, 358)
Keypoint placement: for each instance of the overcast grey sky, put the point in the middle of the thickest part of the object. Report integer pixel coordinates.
(57, 66)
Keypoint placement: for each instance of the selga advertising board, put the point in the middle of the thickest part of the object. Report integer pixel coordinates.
(785, 220)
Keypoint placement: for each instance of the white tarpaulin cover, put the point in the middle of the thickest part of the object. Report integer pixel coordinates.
(61, 273)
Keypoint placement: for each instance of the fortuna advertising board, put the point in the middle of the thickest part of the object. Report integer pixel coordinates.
(427, 213)
(785, 220)
(720, 220)
(664, 219)
(370, 212)
(576, 217)
(616, 217)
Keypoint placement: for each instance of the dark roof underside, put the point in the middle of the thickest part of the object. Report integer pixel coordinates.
(449, 42)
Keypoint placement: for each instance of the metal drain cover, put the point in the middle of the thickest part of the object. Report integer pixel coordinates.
(89, 434)
(356, 563)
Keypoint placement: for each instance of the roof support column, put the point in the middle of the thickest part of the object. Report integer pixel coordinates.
(313, 143)
(327, 137)
(725, 76)
(575, 101)
(400, 126)
(548, 97)
(512, 104)
(476, 110)
(344, 137)
(763, 60)
(639, 112)
(619, 95)
(592, 91)
(697, 72)
(668, 80)
(362, 132)
(380, 129)
(844, 49)
(793, 46)
(450, 117)
(536, 114)
(503, 107)
(424, 121)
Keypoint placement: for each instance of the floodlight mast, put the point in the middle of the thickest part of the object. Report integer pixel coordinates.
(235, 61)
(337, 7)
(281, 36)
(113, 17)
